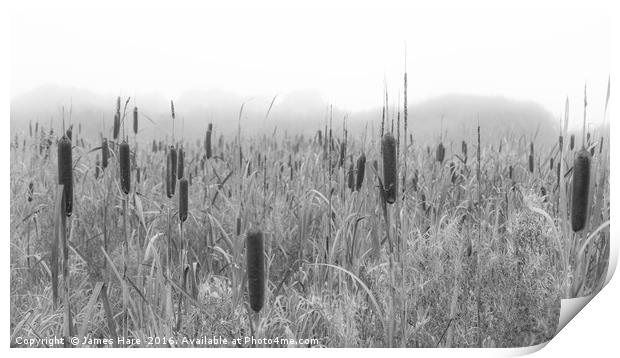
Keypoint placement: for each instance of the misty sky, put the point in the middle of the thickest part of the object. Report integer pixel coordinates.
(346, 53)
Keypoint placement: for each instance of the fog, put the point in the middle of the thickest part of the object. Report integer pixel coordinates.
(463, 62)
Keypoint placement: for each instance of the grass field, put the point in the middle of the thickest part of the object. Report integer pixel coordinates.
(477, 248)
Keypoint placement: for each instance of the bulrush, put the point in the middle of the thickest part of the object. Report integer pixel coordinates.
(183, 194)
(125, 167)
(440, 153)
(180, 163)
(105, 153)
(361, 169)
(255, 269)
(390, 171)
(171, 175)
(117, 125)
(208, 141)
(65, 172)
(135, 120)
(581, 184)
(571, 145)
(351, 177)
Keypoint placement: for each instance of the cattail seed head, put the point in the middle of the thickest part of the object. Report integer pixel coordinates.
(171, 175)
(561, 142)
(65, 172)
(208, 141)
(510, 171)
(255, 266)
(464, 148)
(181, 163)
(117, 125)
(571, 144)
(390, 171)
(138, 174)
(551, 164)
(183, 196)
(351, 177)
(440, 153)
(343, 151)
(105, 153)
(361, 169)
(125, 168)
(531, 163)
(581, 186)
(135, 120)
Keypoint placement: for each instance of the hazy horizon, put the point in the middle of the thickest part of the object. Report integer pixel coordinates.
(349, 56)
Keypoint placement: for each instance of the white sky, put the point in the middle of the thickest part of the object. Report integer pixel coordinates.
(542, 54)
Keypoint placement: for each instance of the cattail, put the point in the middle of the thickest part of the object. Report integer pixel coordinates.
(343, 151)
(320, 136)
(361, 169)
(255, 269)
(70, 133)
(181, 163)
(208, 141)
(510, 171)
(440, 153)
(464, 148)
(105, 153)
(581, 185)
(172, 109)
(351, 178)
(572, 142)
(97, 167)
(125, 168)
(390, 171)
(171, 175)
(183, 193)
(600, 147)
(551, 164)
(138, 174)
(561, 142)
(30, 191)
(135, 120)
(65, 172)
(117, 125)
(557, 171)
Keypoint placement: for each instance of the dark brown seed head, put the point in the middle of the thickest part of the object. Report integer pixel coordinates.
(343, 152)
(171, 175)
(440, 153)
(65, 172)
(531, 163)
(390, 171)
(117, 125)
(464, 148)
(551, 164)
(561, 142)
(125, 167)
(255, 266)
(181, 163)
(135, 120)
(510, 171)
(351, 177)
(581, 186)
(105, 153)
(571, 145)
(361, 169)
(183, 196)
(97, 167)
(208, 142)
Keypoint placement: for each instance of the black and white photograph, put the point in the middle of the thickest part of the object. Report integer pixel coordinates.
(305, 175)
